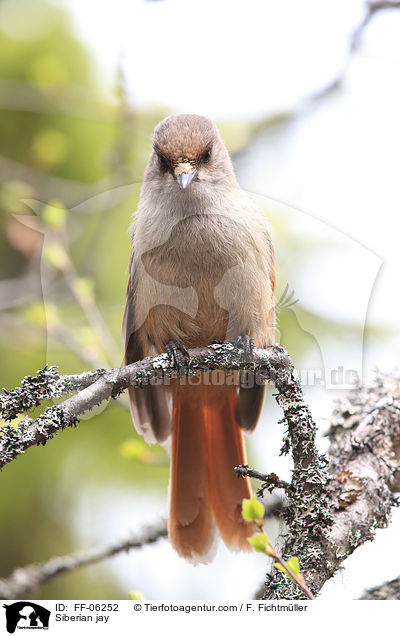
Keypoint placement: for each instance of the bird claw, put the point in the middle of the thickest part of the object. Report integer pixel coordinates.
(178, 356)
(247, 344)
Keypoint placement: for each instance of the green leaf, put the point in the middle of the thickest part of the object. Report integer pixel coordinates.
(270, 551)
(259, 541)
(48, 70)
(252, 509)
(36, 314)
(50, 147)
(133, 449)
(292, 564)
(43, 315)
(136, 595)
(138, 450)
(54, 215)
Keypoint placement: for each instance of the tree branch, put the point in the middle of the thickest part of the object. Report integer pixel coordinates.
(47, 384)
(96, 386)
(389, 591)
(23, 580)
(332, 507)
(357, 497)
(371, 8)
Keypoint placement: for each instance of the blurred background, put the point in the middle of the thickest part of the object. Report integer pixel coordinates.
(307, 98)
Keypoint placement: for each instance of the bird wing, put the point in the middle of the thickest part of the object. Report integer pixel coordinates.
(251, 399)
(150, 406)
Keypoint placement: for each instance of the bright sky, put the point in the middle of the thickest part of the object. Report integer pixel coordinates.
(224, 59)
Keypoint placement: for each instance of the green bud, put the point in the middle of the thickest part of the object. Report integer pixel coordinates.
(54, 215)
(259, 541)
(135, 595)
(252, 510)
(292, 565)
(56, 256)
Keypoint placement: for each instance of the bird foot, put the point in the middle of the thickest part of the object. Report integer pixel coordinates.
(178, 356)
(247, 344)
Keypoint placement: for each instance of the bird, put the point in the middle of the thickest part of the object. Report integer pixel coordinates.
(201, 270)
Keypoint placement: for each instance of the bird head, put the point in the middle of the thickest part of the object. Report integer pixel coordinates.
(187, 149)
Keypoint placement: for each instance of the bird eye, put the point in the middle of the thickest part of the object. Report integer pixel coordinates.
(164, 165)
(206, 157)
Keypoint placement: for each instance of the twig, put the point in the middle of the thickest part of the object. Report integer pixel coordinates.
(299, 582)
(58, 258)
(270, 482)
(253, 511)
(24, 579)
(371, 8)
(93, 316)
(48, 185)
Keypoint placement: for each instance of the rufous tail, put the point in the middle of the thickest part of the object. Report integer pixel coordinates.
(207, 443)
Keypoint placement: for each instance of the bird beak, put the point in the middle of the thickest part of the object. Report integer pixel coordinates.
(185, 180)
(186, 175)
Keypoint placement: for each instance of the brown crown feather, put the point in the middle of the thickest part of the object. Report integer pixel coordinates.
(181, 137)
